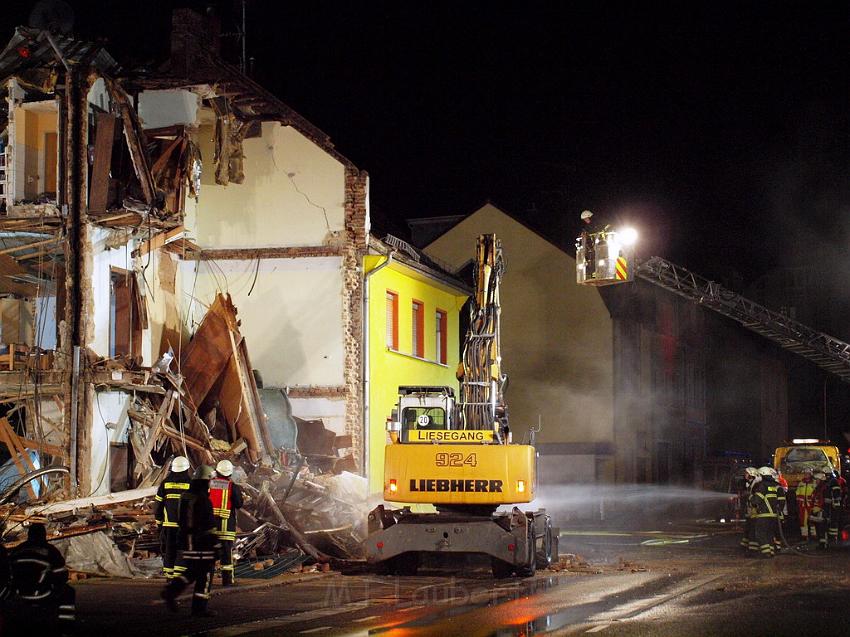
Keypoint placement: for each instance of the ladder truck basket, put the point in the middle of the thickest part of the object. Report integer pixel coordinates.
(603, 259)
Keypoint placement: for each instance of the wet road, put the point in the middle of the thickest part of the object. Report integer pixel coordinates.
(688, 579)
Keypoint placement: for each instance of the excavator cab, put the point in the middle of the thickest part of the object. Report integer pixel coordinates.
(605, 257)
(422, 410)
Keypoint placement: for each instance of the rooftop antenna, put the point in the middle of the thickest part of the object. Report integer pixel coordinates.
(241, 34)
(54, 16)
(243, 63)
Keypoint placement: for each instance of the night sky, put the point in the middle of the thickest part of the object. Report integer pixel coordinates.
(721, 132)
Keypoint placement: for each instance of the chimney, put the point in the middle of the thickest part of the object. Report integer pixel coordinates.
(194, 38)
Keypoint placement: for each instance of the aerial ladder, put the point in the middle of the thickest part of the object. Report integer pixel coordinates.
(827, 352)
(458, 454)
(604, 258)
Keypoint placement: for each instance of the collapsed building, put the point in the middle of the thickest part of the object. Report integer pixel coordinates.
(119, 343)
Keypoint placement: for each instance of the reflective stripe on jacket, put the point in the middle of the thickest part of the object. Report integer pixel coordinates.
(225, 497)
(763, 499)
(168, 496)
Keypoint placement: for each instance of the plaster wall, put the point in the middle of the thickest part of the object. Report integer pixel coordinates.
(32, 122)
(331, 411)
(103, 260)
(109, 423)
(293, 194)
(45, 322)
(292, 320)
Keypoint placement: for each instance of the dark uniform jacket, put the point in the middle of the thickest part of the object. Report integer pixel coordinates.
(196, 520)
(764, 498)
(167, 497)
(38, 570)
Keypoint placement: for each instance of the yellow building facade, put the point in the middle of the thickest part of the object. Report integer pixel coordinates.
(413, 314)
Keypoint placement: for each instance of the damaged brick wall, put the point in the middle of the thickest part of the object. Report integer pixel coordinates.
(356, 234)
(78, 269)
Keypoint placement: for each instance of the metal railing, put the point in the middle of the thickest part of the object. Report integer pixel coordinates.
(825, 351)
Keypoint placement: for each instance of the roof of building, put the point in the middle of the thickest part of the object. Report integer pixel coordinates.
(418, 260)
(461, 218)
(31, 48)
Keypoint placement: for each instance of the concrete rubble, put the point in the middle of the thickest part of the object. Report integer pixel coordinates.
(206, 405)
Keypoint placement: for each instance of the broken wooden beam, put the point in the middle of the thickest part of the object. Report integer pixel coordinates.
(103, 142)
(26, 246)
(157, 241)
(190, 442)
(300, 541)
(249, 254)
(94, 501)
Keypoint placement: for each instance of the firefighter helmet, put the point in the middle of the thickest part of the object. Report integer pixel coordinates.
(765, 472)
(224, 468)
(586, 215)
(203, 472)
(819, 475)
(180, 463)
(751, 472)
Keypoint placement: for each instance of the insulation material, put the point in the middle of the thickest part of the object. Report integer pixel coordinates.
(229, 155)
(95, 553)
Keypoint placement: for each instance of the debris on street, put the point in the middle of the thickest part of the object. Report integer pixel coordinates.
(574, 564)
(302, 503)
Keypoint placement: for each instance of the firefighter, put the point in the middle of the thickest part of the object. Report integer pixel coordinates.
(40, 583)
(834, 495)
(196, 544)
(818, 515)
(751, 476)
(781, 507)
(805, 495)
(587, 241)
(763, 502)
(226, 498)
(167, 498)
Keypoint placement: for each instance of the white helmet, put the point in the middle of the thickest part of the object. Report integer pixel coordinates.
(765, 472)
(751, 472)
(819, 475)
(224, 468)
(180, 463)
(586, 215)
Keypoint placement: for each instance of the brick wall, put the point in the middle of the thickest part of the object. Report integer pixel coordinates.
(354, 248)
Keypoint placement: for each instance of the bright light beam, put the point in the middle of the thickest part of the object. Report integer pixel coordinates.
(628, 236)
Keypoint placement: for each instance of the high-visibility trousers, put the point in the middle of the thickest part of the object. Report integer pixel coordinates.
(765, 532)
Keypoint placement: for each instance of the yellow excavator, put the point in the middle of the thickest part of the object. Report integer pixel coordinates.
(459, 456)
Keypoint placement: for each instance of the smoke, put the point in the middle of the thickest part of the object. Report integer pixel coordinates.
(629, 505)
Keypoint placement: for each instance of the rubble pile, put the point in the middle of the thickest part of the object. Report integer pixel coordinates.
(204, 403)
(573, 563)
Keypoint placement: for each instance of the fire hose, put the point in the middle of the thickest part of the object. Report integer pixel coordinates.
(794, 548)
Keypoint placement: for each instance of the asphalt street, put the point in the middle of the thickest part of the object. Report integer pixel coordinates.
(684, 579)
